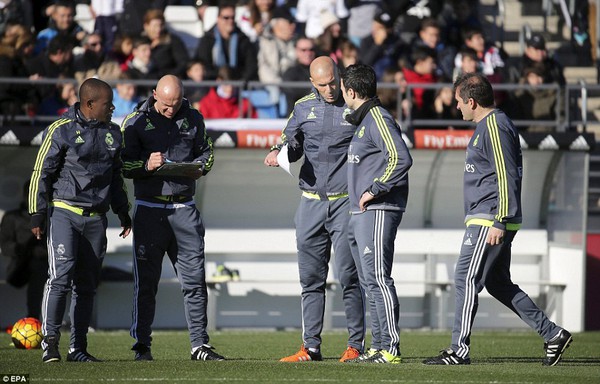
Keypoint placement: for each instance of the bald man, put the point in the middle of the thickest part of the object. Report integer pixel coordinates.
(76, 179)
(316, 129)
(166, 129)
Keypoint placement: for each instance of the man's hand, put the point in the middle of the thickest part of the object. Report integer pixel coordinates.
(271, 159)
(125, 232)
(155, 160)
(495, 236)
(364, 199)
(125, 220)
(37, 232)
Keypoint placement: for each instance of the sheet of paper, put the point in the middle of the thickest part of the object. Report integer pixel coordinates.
(282, 160)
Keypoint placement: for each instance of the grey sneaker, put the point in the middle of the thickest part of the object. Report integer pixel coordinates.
(51, 354)
(555, 347)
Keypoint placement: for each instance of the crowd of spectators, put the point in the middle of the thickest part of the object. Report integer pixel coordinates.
(274, 41)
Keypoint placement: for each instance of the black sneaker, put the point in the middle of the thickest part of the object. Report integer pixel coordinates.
(80, 356)
(206, 352)
(51, 353)
(447, 357)
(555, 347)
(142, 352)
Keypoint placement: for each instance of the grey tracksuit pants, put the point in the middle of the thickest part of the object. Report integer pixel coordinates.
(178, 231)
(319, 225)
(481, 265)
(372, 234)
(76, 249)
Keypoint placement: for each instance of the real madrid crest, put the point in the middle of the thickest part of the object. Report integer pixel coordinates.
(361, 132)
(109, 139)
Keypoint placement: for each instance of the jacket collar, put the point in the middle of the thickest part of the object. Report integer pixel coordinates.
(338, 102)
(357, 116)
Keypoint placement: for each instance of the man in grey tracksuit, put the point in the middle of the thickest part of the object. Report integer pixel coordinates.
(165, 128)
(76, 178)
(378, 164)
(492, 195)
(317, 129)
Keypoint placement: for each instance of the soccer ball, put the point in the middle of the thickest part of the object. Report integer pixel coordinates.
(27, 333)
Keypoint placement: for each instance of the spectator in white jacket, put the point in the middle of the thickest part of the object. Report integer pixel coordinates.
(276, 51)
(308, 13)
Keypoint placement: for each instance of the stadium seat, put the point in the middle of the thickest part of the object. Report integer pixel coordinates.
(262, 101)
(182, 20)
(83, 17)
(210, 17)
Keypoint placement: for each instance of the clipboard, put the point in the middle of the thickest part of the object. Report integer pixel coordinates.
(177, 169)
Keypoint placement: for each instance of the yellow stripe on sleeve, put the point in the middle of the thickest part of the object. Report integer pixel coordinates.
(37, 168)
(384, 130)
(500, 167)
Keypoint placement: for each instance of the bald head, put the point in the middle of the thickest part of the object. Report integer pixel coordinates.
(168, 95)
(322, 65)
(96, 100)
(325, 78)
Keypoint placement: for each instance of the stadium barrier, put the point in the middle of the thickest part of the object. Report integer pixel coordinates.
(575, 109)
(424, 260)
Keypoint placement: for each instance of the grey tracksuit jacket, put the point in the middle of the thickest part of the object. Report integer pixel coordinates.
(385, 176)
(493, 172)
(320, 128)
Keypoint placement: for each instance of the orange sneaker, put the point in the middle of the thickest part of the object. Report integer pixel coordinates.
(303, 355)
(349, 354)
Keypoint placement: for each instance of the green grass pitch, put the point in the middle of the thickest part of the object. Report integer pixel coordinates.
(498, 357)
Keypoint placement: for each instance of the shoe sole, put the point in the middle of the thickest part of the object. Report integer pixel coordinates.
(52, 360)
(567, 344)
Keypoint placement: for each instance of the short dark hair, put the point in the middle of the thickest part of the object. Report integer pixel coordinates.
(469, 52)
(142, 40)
(92, 89)
(469, 32)
(475, 86)
(422, 53)
(361, 79)
(65, 3)
(60, 43)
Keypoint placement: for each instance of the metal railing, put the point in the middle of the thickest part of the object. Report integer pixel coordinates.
(574, 97)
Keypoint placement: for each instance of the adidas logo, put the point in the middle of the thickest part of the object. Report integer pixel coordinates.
(37, 140)
(311, 115)
(468, 242)
(149, 127)
(79, 140)
(225, 140)
(367, 250)
(9, 138)
(548, 143)
(580, 144)
(523, 143)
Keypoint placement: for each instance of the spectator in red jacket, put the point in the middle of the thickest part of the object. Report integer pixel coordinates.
(222, 102)
(421, 70)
